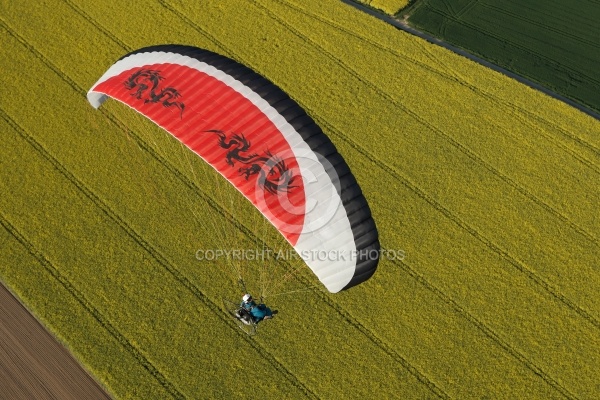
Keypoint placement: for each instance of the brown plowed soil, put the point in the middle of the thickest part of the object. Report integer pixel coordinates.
(33, 364)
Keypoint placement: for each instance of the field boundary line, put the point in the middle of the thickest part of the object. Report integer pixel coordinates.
(89, 307)
(517, 110)
(464, 149)
(155, 254)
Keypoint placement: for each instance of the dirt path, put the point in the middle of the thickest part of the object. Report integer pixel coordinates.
(403, 25)
(33, 365)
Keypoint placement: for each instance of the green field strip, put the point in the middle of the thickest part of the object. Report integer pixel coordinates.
(577, 24)
(458, 145)
(491, 20)
(530, 21)
(412, 390)
(560, 61)
(493, 17)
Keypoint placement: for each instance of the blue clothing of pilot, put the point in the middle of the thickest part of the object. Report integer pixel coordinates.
(258, 311)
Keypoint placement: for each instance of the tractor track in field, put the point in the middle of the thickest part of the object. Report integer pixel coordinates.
(155, 254)
(487, 331)
(554, 292)
(434, 40)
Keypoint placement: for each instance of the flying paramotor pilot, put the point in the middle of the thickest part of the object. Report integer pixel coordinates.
(258, 311)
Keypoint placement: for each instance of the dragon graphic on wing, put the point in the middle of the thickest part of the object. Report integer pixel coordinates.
(147, 86)
(273, 174)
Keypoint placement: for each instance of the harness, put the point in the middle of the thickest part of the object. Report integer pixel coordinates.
(251, 306)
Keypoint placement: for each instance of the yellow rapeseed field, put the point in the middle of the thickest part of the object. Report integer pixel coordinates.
(489, 188)
(388, 6)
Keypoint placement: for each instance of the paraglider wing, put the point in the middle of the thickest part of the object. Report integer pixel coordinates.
(263, 143)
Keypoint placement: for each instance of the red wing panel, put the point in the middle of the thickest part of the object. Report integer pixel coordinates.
(223, 127)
